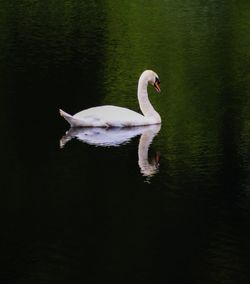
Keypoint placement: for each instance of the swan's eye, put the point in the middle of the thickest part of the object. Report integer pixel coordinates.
(157, 80)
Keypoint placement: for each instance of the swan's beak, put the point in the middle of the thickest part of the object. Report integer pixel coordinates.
(157, 86)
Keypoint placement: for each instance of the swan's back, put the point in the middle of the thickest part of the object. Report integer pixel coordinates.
(110, 116)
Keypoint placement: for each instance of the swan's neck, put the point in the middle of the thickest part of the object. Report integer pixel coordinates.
(145, 105)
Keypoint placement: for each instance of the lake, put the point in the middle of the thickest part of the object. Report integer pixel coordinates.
(160, 204)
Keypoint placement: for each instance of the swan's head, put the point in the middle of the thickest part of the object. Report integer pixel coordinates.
(151, 77)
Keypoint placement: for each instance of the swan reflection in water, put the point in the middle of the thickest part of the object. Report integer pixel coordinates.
(107, 137)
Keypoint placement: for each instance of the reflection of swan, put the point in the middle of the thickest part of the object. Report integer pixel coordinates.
(148, 169)
(117, 136)
(113, 116)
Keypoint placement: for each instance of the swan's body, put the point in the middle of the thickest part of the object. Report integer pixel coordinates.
(113, 116)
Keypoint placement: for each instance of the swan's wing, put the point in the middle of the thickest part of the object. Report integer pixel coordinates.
(84, 121)
(111, 116)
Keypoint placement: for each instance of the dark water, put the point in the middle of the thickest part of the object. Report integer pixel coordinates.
(87, 214)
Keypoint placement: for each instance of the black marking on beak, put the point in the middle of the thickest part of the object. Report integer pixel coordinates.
(157, 85)
(157, 80)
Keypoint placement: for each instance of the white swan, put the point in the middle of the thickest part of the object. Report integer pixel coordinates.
(113, 116)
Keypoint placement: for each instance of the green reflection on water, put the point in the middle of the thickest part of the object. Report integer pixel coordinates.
(195, 48)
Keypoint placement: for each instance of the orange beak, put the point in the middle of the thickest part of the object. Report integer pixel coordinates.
(157, 87)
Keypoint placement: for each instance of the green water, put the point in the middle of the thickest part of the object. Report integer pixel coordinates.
(90, 214)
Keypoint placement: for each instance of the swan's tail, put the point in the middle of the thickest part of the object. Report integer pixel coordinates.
(66, 116)
(70, 119)
(87, 122)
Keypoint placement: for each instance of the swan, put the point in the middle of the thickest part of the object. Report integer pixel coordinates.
(114, 116)
(114, 137)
